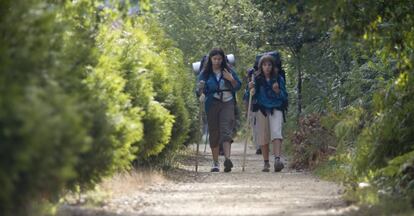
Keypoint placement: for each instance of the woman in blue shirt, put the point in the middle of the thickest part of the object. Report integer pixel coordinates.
(270, 94)
(218, 83)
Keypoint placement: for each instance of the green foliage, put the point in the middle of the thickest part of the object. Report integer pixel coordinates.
(180, 99)
(197, 26)
(398, 176)
(159, 83)
(348, 127)
(380, 81)
(41, 131)
(86, 88)
(84, 91)
(333, 169)
(157, 130)
(394, 128)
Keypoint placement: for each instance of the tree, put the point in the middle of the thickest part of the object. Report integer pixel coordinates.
(290, 31)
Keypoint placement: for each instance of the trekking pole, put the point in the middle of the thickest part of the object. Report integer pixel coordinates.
(198, 143)
(205, 142)
(247, 125)
(201, 126)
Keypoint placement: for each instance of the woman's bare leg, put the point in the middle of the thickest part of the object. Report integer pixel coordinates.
(277, 150)
(277, 147)
(265, 151)
(227, 149)
(215, 152)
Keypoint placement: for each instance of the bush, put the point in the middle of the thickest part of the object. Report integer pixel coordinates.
(312, 143)
(83, 92)
(159, 76)
(41, 132)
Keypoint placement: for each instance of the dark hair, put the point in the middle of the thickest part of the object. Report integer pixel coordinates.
(268, 58)
(208, 68)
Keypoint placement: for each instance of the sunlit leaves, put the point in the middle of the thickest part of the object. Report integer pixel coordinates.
(84, 91)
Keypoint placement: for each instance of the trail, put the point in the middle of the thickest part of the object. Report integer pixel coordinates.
(236, 193)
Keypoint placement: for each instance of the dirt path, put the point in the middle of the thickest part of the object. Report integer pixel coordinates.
(237, 193)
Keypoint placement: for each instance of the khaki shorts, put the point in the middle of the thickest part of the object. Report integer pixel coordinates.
(268, 128)
(254, 128)
(221, 120)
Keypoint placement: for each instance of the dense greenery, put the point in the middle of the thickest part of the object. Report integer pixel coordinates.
(85, 90)
(374, 127)
(87, 87)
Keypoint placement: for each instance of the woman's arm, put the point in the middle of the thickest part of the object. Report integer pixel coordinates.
(201, 84)
(233, 78)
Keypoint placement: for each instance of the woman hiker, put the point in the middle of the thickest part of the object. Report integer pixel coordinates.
(218, 84)
(270, 94)
(252, 114)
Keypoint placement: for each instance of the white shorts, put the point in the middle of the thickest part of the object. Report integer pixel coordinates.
(268, 128)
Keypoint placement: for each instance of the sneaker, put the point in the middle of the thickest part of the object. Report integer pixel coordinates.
(266, 167)
(278, 165)
(228, 165)
(215, 167)
(258, 151)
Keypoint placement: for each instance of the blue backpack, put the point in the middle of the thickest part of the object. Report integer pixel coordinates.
(278, 61)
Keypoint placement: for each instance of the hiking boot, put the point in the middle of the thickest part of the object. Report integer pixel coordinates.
(228, 165)
(266, 167)
(258, 151)
(278, 165)
(215, 167)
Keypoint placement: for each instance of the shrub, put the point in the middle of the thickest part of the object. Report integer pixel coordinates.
(312, 143)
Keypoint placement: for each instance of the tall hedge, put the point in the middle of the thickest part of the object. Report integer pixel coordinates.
(84, 91)
(41, 133)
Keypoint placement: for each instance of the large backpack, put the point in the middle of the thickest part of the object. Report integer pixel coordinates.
(198, 66)
(278, 61)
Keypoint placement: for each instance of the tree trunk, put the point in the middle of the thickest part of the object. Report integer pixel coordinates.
(299, 86)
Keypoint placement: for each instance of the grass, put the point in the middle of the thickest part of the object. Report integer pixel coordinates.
(118, 185)
(368, 198)
(332, 170)
(124, 183)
